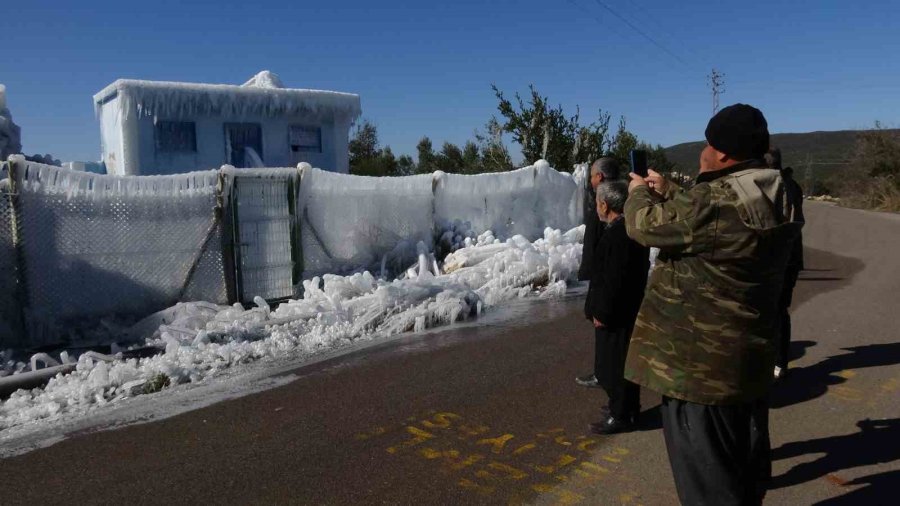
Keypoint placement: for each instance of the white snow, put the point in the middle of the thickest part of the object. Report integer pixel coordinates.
(265, 79)
(202, 340)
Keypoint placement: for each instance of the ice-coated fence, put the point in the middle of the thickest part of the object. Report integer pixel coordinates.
(352, 221)
(89, 246)
(262, 214)
(97, 245)
(521, 202)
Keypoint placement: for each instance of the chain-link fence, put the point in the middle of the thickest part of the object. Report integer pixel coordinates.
(77, 247)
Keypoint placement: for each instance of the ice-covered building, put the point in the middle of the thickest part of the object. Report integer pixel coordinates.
(154, 127)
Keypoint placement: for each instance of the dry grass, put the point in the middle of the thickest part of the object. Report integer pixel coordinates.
(877, 194)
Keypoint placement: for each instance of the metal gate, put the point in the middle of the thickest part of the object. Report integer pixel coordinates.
(266, 255)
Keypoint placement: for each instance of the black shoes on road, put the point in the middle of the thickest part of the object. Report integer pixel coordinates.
(611, 425)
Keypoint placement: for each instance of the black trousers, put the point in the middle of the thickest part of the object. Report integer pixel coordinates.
(782, 353)
(611, 348)
(720, 455)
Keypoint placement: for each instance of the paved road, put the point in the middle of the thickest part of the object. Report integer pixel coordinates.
(491, 414)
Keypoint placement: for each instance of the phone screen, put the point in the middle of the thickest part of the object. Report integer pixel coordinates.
(639, 162)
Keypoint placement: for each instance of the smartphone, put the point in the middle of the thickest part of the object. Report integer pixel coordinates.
(639, 162)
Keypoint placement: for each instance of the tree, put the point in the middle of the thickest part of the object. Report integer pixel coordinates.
(364, 144)
(425, 151)
(366, 158)
(622, 144)
(450, 159)
(405, 165)
(873, 181)
(546, 132)
(494, 155)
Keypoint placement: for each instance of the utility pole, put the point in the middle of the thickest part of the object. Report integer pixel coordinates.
(717, 85)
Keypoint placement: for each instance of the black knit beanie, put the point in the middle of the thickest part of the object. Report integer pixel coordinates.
(740, 131)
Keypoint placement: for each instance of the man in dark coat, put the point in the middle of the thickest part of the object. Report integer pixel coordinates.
(618, 279)
(603, 169)
(795, 264)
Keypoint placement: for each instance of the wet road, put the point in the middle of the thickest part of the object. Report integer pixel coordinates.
(491, 414)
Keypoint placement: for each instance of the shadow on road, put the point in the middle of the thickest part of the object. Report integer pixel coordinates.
(824, 272)
(874, 443)
(881, 489)
(807, 383)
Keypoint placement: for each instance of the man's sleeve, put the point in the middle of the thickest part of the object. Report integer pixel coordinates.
(678, 224)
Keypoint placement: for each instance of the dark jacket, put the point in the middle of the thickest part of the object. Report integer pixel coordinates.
(795, 199)
(593, 231)
(618, 278)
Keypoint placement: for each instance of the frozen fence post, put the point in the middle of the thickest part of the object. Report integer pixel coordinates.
(15, 167)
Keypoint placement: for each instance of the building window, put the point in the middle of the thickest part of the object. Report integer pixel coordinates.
(306, 139)
(176, 137)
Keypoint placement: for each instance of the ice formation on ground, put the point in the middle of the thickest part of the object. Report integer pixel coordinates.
(201, 339)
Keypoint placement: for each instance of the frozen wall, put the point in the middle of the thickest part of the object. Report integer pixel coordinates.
(523, 201)
(352, 221)
(100, 245)
(113, 154)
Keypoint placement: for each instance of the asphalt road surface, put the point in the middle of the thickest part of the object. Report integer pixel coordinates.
(491, 414)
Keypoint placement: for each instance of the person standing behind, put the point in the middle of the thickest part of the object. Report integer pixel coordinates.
(618, 279)
(602, 170)
(795, 264)
(707, 328)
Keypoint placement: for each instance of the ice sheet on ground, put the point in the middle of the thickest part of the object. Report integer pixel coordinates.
(202, 339)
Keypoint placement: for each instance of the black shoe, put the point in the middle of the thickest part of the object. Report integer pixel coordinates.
(588, 381)
(611, 425)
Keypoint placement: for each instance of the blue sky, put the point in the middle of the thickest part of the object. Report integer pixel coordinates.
(426, 68)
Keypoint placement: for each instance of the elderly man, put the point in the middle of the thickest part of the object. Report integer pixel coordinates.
(707, 328)
(618, 278)
(795, 198)
(603, 169)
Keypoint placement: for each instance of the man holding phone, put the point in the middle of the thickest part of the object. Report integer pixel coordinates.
(706, 331)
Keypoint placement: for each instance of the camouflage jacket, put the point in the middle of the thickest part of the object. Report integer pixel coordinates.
(707, 326)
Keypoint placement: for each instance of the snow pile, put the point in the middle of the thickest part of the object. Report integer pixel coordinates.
(10, 133)
(265, 79)
(202, 339)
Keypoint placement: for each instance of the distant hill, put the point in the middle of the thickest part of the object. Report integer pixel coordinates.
(814, 155)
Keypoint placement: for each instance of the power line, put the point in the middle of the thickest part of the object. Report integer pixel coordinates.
(663, 29)
(642, 33)
(595, 17)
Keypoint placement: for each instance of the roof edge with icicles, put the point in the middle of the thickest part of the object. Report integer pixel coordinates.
(174, 99)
